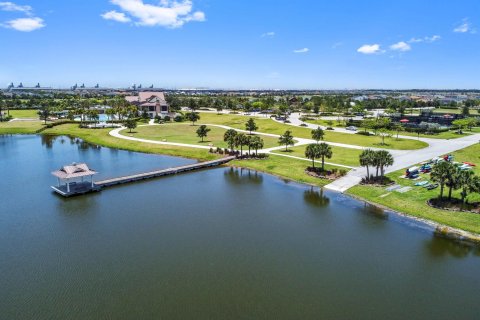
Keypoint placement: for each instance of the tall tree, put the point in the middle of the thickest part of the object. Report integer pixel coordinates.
(229, 138)
(286, 139)
(251, 125)
(441, 173)
(240, 141)
(203, 131)
(193, 117)
(465, 183)
(325, 151)
(256, 143)
(131, 124)
(318, 134)
(385, 159)
(366, 160)
(313, 152)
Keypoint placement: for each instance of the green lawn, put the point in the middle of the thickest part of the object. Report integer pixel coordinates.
(344, 156)
(186, 133)
(101, 137)
(24, 114)
(267, 125)
(414, 201)
(20, 127)
(288, 168)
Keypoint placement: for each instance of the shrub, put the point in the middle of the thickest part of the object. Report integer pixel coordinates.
(167, 119)
(179, 118)
(330, 128)
(363, 133)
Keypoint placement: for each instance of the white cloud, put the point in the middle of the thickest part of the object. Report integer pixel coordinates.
(268, 34)
(25, 24)
(401, 46)
(432, 38)
(10, 6)
(303, 50)
(168, 13)
(116, 16)
(370, 49)
(425, 39)
(465, 27)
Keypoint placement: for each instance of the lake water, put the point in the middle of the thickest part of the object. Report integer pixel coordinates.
(216, 244)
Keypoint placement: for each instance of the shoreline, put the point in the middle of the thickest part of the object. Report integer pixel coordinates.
(438, 229)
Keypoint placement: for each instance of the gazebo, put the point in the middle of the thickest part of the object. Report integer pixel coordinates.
(71, 179)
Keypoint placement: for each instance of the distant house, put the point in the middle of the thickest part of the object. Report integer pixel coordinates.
(153, 103)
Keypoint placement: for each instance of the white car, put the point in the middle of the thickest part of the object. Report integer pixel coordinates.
(351, 128)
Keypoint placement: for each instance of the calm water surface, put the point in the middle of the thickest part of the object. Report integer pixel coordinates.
(216, 244)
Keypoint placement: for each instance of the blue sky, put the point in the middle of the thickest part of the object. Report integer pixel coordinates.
(263, 44)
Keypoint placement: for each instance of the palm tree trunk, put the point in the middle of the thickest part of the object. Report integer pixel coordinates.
(450, 193)
(313, 163)
(323, 163)
(368, 172)
(441, 190)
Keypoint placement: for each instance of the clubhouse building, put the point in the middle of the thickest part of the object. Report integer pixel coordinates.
(151, 102)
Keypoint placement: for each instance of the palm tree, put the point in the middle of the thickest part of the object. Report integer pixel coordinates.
(452, 180)
(203, 131)
(318, 134)
(385, 159)
(325, 151)
(441, 173)
(240, 141)
(366, 160)
(286, 139)
(465, 182)
(229, 138)
(256, 143)
(312, 152)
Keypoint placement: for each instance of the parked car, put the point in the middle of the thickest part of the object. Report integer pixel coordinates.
(352, 128)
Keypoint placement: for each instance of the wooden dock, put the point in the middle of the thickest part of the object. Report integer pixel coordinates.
(161, 173)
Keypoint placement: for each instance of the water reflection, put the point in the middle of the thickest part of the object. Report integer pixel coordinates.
(81, 205)
(48, 140)
(374, 211)
(439, 247)
(241, 175)
(316, 197)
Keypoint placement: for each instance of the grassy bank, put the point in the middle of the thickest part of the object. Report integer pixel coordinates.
(267, 125)
(286, 168)
(20, 127)
(414, 202)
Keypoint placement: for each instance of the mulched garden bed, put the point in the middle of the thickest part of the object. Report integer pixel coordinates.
(325, 174)
(454, 205)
